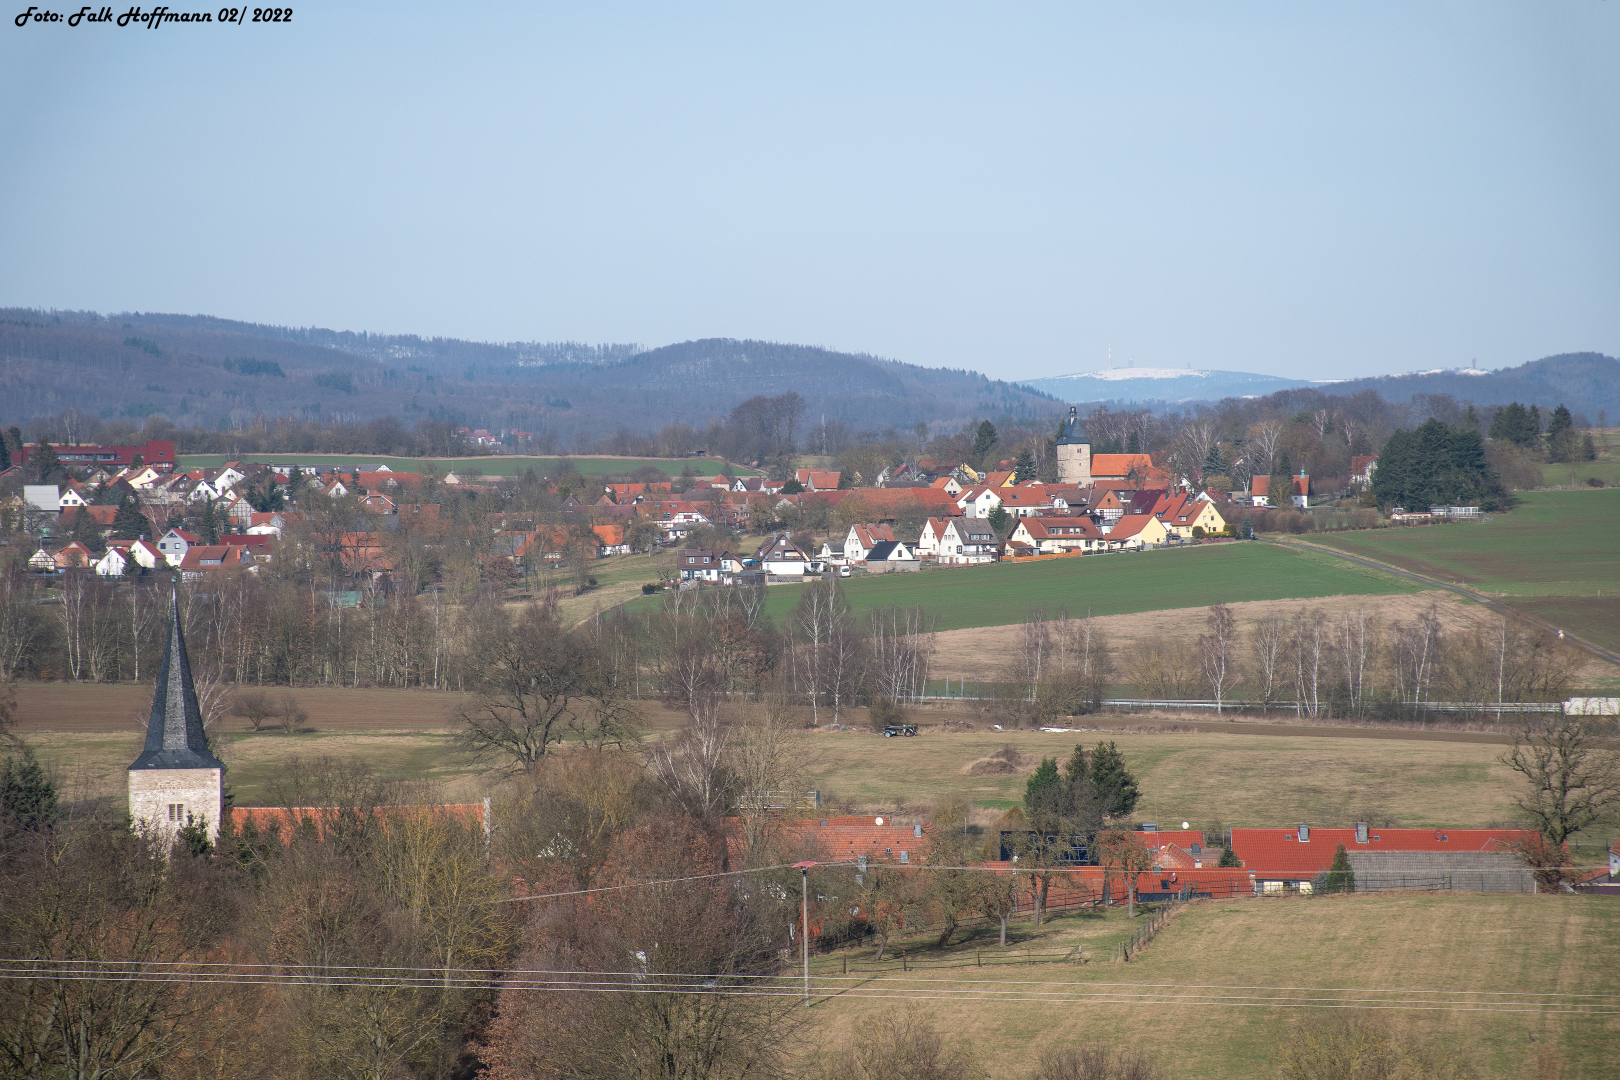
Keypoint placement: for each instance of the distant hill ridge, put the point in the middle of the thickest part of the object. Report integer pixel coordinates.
(221, 373)
(1586, 382)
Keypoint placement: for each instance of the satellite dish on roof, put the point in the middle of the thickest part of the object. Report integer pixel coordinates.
(1184, 825)
(880, 821)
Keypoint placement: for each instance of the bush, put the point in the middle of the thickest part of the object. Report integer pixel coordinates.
(1096, 1061)
(1360, 1048)
(651, 587)
(1594, 481)
(1198, 532)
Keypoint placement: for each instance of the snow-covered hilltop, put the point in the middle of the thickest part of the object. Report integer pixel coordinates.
(1135, 384)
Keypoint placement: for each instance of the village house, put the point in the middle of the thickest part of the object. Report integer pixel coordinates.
(204, 558)
(1058, 535)
(1260, 491)
(961, 541)
(978, 501)
(1292, 859)
(1184, 512)
(697, 564)
(611, 540)
(174, 543)
(154, 452)
(781, 557)
(818, 479)
(1025, 500)
(889, 557)
(1362, 468)
(122, 553)
(861, 539)
(75, 556)
(1135, 531)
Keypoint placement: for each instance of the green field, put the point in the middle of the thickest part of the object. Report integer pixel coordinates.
(1558, 475)
(1557, 555)
(1116, 584)
(494, 465)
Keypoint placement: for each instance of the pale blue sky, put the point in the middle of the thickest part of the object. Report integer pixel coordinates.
(1283, 188)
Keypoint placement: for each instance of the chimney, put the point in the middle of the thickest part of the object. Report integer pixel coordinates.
(1361, 832)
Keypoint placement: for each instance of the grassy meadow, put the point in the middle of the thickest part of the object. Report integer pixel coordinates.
(1237, 778)
(1196, 998)
(491, 465)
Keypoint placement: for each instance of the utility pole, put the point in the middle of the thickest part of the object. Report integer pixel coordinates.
(804, 911)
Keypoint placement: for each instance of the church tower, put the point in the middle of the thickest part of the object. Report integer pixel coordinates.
(177, 777)
(1073, 453)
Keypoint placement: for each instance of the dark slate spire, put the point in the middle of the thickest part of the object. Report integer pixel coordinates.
(174, 736)
(1071, 430)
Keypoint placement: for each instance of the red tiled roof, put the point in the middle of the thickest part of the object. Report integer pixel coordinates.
(1183, 838)
(1279, 851)
(842, 839)
(1129, 525)
(283, 819)
(1120, 465)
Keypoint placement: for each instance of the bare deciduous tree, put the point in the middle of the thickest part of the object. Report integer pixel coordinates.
(1268, 645)
(1218, 651)
(540, 683)
(1573, 776)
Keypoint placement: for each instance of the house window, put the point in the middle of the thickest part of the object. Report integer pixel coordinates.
(177, 811)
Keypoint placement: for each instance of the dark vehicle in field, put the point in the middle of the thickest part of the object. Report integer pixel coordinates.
(891, 730)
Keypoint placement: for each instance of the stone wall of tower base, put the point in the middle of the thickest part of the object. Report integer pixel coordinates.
(1074, 463)
(199, 791)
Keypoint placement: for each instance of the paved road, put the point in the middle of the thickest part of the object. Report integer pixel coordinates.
(1478, 598)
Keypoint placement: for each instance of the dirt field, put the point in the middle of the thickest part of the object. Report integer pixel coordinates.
(984, 653)
(95, 707)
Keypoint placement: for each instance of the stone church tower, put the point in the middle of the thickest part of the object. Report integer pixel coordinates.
(1073, 453)
(177, 777)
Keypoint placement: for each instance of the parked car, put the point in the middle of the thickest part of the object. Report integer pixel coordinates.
(891, 730)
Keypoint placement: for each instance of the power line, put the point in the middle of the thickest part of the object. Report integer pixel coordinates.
(692, 985)
(438, 971)
(742, 985)
(643, 884)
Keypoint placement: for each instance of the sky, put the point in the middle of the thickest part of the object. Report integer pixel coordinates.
(1314, 191)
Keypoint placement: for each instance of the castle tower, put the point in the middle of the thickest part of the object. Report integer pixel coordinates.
(176, 777)
(1073, 453)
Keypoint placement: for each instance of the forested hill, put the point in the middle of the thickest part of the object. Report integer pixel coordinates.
(216, 373)
(1586, 382)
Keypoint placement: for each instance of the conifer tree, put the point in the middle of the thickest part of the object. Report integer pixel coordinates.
(1024, 468)
(1115, 786)
(983, 439)
(45, 462)
(129, 523)
(1043, 790)
(28, 799)
(1340, 878)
